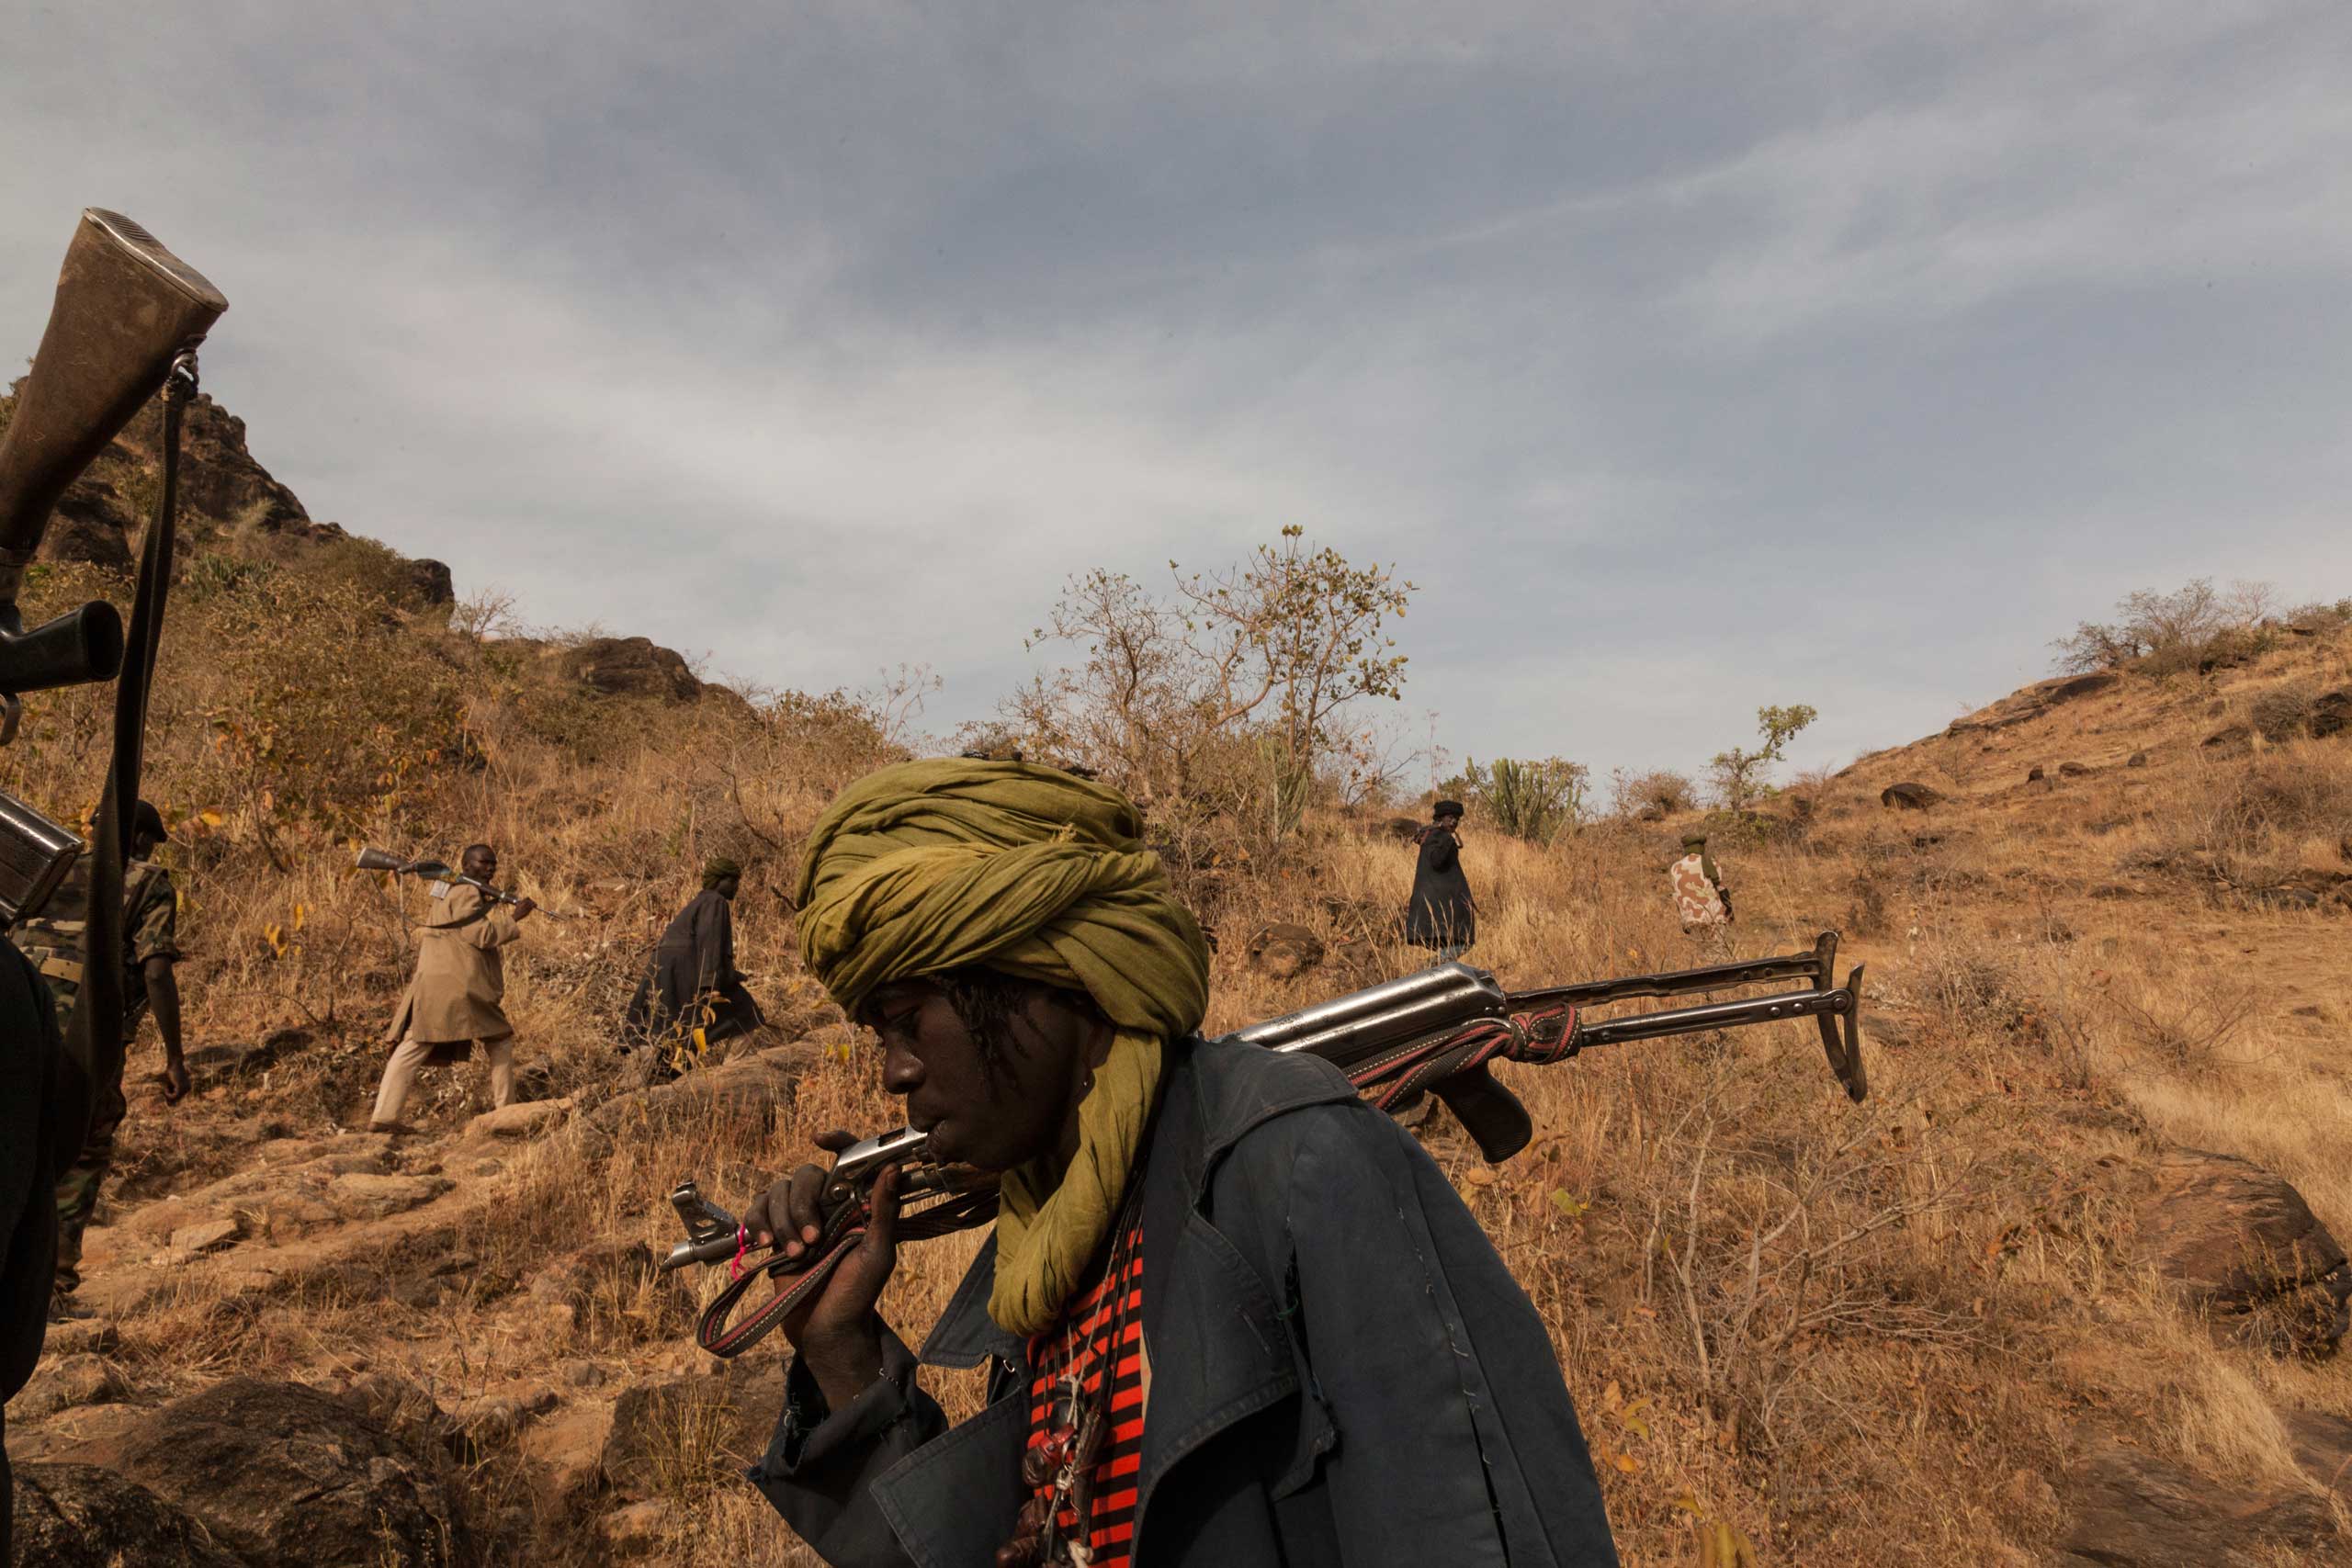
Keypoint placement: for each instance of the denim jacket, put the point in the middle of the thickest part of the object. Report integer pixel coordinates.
(1342, 1369)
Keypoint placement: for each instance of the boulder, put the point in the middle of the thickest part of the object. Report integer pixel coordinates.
(82, 1336)
(2235, 740)
(2330, 714)
(68, 1383)
(612, 1271)
(2035, 774)
(2134, 1510)
(2137, 760)
(218, 478)
(523, 1120)
(719, 1421)
(405, 1410)
(743, 1094)
(2240, 1245)
(1908, 797)
(91, 524)
(80, 1516)
(361, 1196)
(636, 1529)
(2072, 769)
(289, 1477)
(429, 581)
(631, 666)
(570, 1444)
(244, 1060)
(208, 1236)
(2066, 691)
(1285, 951)
(2322, 1444)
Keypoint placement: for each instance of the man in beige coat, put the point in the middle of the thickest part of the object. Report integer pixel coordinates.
(455, 999)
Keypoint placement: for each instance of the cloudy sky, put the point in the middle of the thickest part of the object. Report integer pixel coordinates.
(1689, 356)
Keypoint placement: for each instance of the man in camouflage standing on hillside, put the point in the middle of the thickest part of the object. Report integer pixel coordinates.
(55, 940)
(1701, 897)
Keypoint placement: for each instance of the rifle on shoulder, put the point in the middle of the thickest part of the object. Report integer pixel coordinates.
(439, 871)
(1438, 1031)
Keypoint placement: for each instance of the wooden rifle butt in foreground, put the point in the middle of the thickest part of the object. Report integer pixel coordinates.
(126, 309)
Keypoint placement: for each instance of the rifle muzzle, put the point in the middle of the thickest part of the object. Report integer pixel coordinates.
(78, 647)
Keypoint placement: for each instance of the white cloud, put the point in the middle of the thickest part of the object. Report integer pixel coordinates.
(1691, 356)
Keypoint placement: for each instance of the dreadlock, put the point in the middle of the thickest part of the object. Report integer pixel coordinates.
(985, 1000)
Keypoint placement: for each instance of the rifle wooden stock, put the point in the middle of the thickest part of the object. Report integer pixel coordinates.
(125, 309)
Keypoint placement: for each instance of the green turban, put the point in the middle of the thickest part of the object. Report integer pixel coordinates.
(1034, 872)
(718, 869)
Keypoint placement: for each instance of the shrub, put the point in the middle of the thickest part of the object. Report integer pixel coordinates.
(2282, 712)
(2194, 627)
(1532, 800)
(1661, 792)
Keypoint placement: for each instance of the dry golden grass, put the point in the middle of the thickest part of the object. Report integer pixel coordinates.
(1856, 1336)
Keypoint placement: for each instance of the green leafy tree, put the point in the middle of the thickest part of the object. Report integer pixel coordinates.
(1738, 774)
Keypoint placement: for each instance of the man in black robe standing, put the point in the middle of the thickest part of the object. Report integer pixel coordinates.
(693, 996)
(1442, 915)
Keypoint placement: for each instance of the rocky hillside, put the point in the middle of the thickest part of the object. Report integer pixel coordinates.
(2070, 1288)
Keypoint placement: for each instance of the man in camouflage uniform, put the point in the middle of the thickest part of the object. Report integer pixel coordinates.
(55, 940)
(1700, 895)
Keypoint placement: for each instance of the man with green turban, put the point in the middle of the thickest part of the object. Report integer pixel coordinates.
(691, 996)
(1229, 1308)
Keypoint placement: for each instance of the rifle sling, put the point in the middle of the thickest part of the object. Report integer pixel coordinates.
(93, 1043)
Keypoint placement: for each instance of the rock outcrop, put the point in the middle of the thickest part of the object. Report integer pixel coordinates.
(745, 1093)
(631, 666)
(725, 1418)
(2033, 702)
(1908, 796)
(81, 1516)
(2134, 1510)
(1285, 951)
(288, 1477)
(2240, 1245)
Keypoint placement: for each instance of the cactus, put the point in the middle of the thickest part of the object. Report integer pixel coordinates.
(1531, 800)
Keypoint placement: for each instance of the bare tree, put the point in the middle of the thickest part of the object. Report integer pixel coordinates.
(1228, 695)
(2170, 631)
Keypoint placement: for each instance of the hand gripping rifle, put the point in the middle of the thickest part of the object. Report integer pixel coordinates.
(438, 871)
(1433, 1033)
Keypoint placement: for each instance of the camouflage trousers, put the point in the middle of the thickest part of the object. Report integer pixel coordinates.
(77, 1190)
